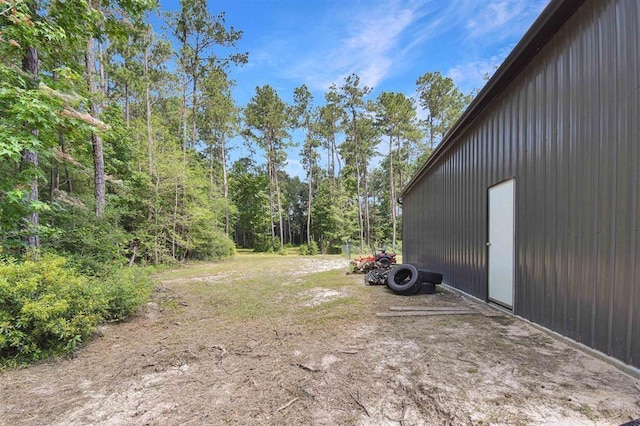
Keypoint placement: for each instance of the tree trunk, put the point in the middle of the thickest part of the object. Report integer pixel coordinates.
(360, 224)
(366, 205)
(194, 109)
(127, 114)
(103, 80)
(30, 65)
(310, 183)
(147, 96)
(225, 184)
(175, 222)
(96, 140)
(67, 175)
(271, 207)
(184, 114)
(279, 209)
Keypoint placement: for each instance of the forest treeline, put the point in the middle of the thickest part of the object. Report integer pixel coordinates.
(115, 141)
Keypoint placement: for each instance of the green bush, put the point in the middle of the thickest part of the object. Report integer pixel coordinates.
(123, 291)
(45, 309)
(309, 249)
(313, 247)
(263, 244)
(48, 308)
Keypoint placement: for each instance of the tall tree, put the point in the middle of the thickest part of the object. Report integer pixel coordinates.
(396, 116)
(219, 122)
(199, 32)
(442, 101)
(268, 121)
(357, 148)
(328, 126)
(303, 105)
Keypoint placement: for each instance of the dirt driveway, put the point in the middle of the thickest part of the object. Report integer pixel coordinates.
(270, 340)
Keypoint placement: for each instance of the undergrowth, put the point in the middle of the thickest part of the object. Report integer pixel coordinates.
(48, 308)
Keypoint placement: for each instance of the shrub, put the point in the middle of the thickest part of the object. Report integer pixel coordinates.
(45, 309)
(313, 247)
(122, 291)
(48, 308)
(309, 249)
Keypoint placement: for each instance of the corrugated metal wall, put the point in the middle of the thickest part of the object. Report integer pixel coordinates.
(567, 128)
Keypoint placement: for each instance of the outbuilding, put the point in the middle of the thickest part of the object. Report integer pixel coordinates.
(531, 201)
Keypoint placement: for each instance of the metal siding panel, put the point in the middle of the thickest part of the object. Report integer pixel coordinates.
(566, 165)
(586, 128)
(626, 204)
(522, 306)
(567, 129)
(604, 187)
(576, 214)
(633, 320)
(535, 182)
(553, 245)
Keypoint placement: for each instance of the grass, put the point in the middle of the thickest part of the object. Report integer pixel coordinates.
(260, 286)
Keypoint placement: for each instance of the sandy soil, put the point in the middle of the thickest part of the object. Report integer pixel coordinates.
(179, 363)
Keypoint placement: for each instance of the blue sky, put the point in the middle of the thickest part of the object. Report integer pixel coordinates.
(388, 43)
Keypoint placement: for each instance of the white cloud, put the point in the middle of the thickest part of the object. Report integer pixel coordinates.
(369, 49)
(500, 19)
(294, 168)
(470, 76)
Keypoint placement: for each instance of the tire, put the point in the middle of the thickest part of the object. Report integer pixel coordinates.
(384, 262)
(404, 279)
(430, 277)
(428, 288)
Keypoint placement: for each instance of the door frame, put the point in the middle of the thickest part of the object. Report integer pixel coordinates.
(503, 304)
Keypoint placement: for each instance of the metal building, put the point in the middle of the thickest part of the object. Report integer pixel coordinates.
(532, 200)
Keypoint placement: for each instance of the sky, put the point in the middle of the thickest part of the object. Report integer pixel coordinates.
(388, 43)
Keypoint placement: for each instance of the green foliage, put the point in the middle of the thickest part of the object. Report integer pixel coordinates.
(263, 244)
(45, 309)
(309, 249)
(123, 291)
(48, 308)
(444, 103)
(92, 245)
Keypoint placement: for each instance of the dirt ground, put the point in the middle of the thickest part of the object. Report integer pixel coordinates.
(272, 340)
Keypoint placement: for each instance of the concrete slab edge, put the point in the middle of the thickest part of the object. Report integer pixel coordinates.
(625, 368)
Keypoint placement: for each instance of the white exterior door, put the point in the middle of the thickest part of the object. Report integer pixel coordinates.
(501, 243)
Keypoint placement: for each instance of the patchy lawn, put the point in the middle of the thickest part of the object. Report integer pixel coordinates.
(269, 339)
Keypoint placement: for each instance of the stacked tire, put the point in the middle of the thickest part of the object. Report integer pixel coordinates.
(407, 280)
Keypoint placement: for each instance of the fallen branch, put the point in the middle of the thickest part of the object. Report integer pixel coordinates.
(287, 404)
(359, 403)
(307, 368)
(119, 371)
(467, 361)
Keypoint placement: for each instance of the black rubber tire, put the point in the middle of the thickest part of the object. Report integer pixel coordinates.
(430, 277)
(384, 262)
(404, 279)
(413, 290)
(428, 288)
